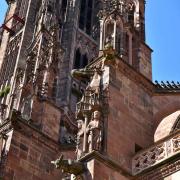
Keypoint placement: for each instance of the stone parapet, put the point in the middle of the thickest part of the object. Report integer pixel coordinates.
(156, 154)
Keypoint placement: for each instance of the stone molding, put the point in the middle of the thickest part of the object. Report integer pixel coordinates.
(135, 76)
(27, 129)
(107, 161)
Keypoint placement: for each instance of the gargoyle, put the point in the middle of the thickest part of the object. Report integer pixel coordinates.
(82, 73)
(69, 166)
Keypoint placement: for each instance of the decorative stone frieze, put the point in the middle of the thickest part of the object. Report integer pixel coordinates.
(156, 154)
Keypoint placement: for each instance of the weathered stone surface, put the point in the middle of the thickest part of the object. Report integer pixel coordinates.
(120, 111)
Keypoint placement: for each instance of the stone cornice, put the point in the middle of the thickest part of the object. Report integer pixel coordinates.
(135, 76)
(166, 93)
(108, 161)
(24, 127)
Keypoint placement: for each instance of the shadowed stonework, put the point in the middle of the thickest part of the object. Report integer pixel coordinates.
(77, 99)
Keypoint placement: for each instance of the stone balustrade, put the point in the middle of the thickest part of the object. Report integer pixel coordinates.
(157, 153)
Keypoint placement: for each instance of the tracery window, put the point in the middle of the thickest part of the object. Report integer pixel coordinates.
(85, 18)
(21, 11)
(80, 60)
(9, 61)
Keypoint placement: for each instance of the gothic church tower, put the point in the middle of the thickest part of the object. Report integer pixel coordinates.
(76, 83)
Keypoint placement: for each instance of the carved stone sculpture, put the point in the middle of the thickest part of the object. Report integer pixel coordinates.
(95, 82)
(81, 73)
(94, 131)
(69, 166)
(80, 136)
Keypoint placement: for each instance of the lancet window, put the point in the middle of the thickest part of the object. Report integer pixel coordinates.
(85, 18)
(81, 60)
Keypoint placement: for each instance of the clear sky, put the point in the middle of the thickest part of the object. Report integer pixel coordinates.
(162, 35)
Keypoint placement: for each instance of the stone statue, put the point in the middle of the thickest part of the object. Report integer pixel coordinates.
(80, 135)
(95, 82)
(94, 131)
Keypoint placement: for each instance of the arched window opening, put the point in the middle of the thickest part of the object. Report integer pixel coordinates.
(119, 33)
(89, 17)
(84, 60)
(109, 33)
(115, 35)
(131, 13)
(85, 19)
(80, 60)
(82, 14)
(77, 59)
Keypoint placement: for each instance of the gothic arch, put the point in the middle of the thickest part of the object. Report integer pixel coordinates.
(111, 25)
(86, 15)
(84, 50)
(80, 58)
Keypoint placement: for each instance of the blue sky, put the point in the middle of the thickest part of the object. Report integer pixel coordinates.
(162, 35)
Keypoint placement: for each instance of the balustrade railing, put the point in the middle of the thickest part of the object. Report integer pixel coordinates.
(156, 154)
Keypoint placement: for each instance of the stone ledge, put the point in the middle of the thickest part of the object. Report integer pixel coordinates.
(136, 77)
(27, 129)
(107, 161)
(160, 153)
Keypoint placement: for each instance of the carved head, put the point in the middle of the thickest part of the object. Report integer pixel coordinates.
(80, 123)
(97, 115)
